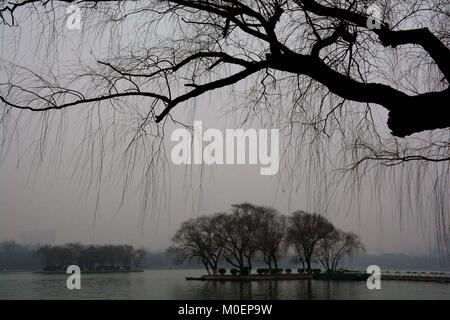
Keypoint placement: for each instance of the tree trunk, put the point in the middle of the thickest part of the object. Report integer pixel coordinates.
(308, 265)
(275, 261)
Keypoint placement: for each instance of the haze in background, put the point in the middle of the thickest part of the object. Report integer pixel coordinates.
(51, 200)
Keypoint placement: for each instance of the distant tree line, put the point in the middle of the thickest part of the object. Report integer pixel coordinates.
(90, 257)
(15, 256)
(250, 232)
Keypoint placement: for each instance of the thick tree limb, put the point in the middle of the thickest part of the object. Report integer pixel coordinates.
(407, 114)
(423, 37)
(88, 100)
(200, 89)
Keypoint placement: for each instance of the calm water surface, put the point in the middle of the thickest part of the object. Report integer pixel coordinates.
(170, 284)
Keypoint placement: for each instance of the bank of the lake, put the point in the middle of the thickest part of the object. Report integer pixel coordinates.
(335, 276)
(90, 271)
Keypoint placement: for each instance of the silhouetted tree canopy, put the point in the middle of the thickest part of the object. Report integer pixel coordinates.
(16, 256)
(197, 240)
(90, 257)
(336, 246)
(304, 232)
(250, 232)
(270, 235)
(328, 42)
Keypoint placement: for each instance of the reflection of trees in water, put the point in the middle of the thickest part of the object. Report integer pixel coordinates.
(196, 290)
(331, 290)
(266, 290)
(301, 289)
(213, 290)
(117, 286)
(273, 290)
(297, 289)
(328, 289)
(309, 292)
(245, 290)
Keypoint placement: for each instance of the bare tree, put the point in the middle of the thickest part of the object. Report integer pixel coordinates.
(335, 246)
(237, 232)
(304, 232)
(197, 239)
(315, 39)
(270, 235)
(139, 256)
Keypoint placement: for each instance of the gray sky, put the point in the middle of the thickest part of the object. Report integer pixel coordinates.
(60, 205)
(47, 199)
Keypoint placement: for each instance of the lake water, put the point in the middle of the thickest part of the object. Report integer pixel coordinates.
(171, 284)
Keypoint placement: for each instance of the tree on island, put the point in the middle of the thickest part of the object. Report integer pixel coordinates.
(197, 239)
(237, 232)
(236, 237)
(270, 235)
(304, 232)
(336, 246)
(249, 231)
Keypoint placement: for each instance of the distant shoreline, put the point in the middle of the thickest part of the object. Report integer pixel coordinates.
(251, 277)
(90, 271)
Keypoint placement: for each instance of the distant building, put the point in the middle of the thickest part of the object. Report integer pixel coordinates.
(38, 237)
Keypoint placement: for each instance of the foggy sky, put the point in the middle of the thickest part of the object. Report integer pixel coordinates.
(47, 199)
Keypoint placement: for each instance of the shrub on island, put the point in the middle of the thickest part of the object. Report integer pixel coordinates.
(276, 271)
(261, 271)
(245, 271)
